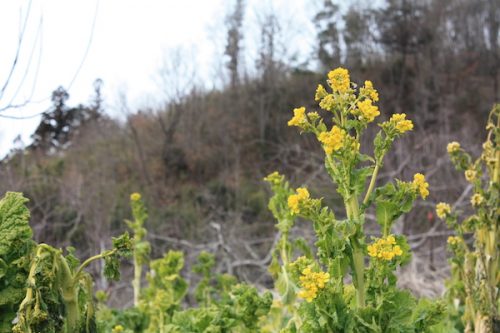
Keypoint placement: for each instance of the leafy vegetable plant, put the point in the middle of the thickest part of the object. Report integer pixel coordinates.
(475, 282)
(348, 284)
(42, 289)
(224, 305)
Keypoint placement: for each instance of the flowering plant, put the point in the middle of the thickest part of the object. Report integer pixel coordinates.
(224, 305)
(349, 284)
(475, 281)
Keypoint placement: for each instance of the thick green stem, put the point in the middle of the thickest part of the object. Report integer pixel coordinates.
(358, 257)
(72, 312)
(89, 260)
(352, 207)
(136, 283)
(372, 183)
(69, 293)
(359, 269)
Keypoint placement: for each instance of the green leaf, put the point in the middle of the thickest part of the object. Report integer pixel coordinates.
(16, 247)
(385, 211)
(285, 287)
(15, 232)
(358, 179)
(428, 313)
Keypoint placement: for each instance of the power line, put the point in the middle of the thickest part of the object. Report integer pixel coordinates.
(87, 49)
(37, 41)
(18, 51)
(91, 37)
(23, 117)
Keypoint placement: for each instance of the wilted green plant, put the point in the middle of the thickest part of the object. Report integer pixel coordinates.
(49, 291)
(474, 285)
(371, 302)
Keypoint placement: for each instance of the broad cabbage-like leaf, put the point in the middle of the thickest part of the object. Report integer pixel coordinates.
(15, 251)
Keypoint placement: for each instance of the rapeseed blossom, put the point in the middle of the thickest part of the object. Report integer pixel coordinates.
(419, 184)
(295, 199)
(311, 282)
(327, 103)
(339, 80)
(453, 240)
(320, 93)
(476, 199)
(453, 147)
(385, 248)
(401, 124)
(369, 91)
(367, 111)
(299, 117)
(442, 210)
(332, 140)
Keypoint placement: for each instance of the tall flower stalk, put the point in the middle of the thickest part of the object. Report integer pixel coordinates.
(142, 248)
(475, 280)
(331, 302)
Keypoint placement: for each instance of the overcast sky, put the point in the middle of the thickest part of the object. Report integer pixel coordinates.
(70, 43)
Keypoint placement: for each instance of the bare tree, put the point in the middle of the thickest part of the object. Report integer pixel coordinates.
(234, 23)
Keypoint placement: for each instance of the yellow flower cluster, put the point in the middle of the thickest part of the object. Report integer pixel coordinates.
(453, 240)
(311, 282)
(118, 329)
(135, 196)
(470, 175)
(442, 210)
(476, 199)
(295, 199)
(313, 116)
(299, 117)
(327, 103)
(274, 178)
(367, 111)
(453, 147)
(320, 93)
(401, 123)
(385, 248)
(369, 91)
(339, 80)
(421, 185)
(332, 140)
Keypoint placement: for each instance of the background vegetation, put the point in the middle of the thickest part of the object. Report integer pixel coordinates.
(199, 159)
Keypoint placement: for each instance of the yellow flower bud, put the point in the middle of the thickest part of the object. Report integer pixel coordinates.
(476, 200)
(442, 210)
(320, 93)
(421, 185)
(453, 147)
(135, 196)
(470, 175)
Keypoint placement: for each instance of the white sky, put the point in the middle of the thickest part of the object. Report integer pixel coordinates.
(131, 39)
